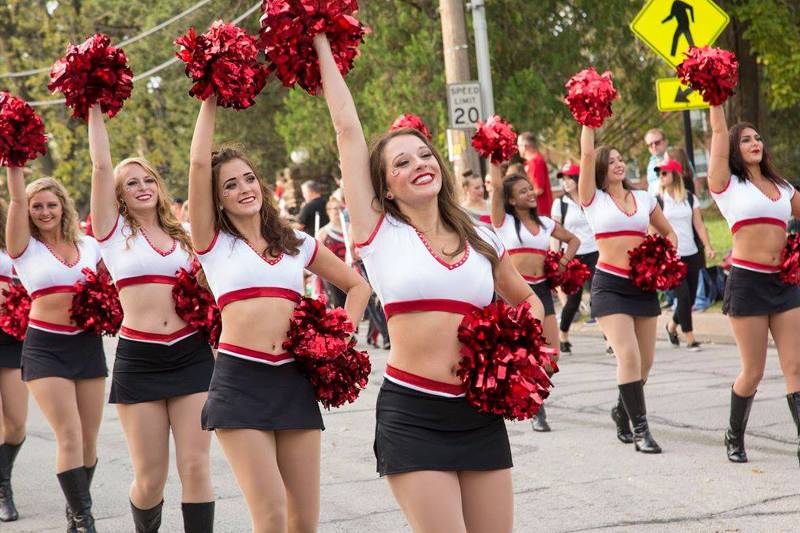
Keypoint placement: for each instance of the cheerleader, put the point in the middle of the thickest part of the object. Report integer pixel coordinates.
(447, 464)
(683, 213)
(263, 410)
(13, 394)
(63, 366)
(757, 204)
(163, 366)
(475, 198)
(619, 217)
(568, 212)
(526, 235)
(332, 237)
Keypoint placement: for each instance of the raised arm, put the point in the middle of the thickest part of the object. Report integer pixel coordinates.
(201, 201)
(18, 233)
(719, 170)
(353, 151)
(587, 187)
(104, 206)
(498, 211)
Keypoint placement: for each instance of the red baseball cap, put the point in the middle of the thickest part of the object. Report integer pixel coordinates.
(670, 166)
(569, 169)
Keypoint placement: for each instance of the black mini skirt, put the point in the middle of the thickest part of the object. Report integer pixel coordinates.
(249, 395)
(613, 295)
(417, 431)
(10, 351)
(750, 293)
(149, 371)
(545, 294)
(57, 355)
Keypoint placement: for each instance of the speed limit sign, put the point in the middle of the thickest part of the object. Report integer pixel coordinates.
(464, 104)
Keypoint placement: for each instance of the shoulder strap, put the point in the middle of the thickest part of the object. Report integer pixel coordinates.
(660, 201)
(690, 197)
(564, 207)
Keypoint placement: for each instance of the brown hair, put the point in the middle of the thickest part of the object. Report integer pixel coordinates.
(452, 215)
(603, 154)
(166, 220)
(3, 215)
(69, 215)
(508, 191)
(279, 236)
(736, 163)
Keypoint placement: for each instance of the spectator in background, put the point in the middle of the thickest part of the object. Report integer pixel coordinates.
(680, 155)
(536, 170)
(331, 236)
(177, 208)
(314, 205)
(474, 197)
(338, 193)
(657, 144)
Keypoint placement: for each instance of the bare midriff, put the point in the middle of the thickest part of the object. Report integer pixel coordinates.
(614, 250)
(528, 263)
(53, 308)
(759, 243)
(257, 323)
(149, 307)
(426, 344)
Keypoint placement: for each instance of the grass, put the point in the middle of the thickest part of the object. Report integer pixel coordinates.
(718, 233)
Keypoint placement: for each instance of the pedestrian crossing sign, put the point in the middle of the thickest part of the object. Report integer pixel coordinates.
(673, 96)
(670, 27)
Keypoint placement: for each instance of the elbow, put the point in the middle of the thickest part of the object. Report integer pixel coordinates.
(347, 130)
(101, 166)
(199, 163)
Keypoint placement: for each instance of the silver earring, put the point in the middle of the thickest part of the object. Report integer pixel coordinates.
(389, 196)
(395, 172)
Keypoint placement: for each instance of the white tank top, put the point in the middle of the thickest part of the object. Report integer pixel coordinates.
(576, 223)
(42, 273)
(607, 219)
(409, 277)
(134, 260)
(235, 271)
(679, 215)
(742, 204)
(6, 268)
(526, 242)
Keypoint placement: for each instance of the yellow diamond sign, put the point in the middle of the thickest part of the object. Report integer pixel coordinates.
(672, 96)
(670, 27)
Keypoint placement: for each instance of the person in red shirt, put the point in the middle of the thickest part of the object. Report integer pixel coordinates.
(536, 169)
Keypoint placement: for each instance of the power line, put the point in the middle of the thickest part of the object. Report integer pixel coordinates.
(198, 5)
(150, 72)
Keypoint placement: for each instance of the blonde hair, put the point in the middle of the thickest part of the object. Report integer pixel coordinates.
(69, 215)
(677, 190)
(166, 220)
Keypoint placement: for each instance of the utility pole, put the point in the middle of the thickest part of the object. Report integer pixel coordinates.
(456, 70)
(478, 8)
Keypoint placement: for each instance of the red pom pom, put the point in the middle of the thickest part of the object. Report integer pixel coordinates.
(223, 61)
(551, 267)
(321, 340)
(503, 366)
(712, 72)
(570, 278)
(21, 132)
(413, 122)
(790, 261)
(589, 97)
(95, 306)
(15, 310)
(656, 265)
(93, 73)
(195, 304)
(495, 140)
(288, 28)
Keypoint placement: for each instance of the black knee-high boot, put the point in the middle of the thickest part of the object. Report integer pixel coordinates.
(539, 422)
(794, 407)
(620, 417)
(147, 520)
(71, 527)
(75, 485)
(734, 436)
(633, 400)
(8, 453)
(198, 517)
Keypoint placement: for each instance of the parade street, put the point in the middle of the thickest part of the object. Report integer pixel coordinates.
(576, 478)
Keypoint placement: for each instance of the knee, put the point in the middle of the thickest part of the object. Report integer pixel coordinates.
(14, 431)
(69, 440)
(302, 523)
(193, 468)
(750, 378)
(150, 484)
(272, 517)
(791, 370)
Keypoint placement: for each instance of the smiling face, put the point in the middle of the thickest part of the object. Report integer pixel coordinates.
(413, 174)
(616, 168)
(570, 185)
(139, 189)
(522, 195)
(751, 146)
(238, 189)
(474, 189)
(666, 178)
(656, 143)
(46, 211)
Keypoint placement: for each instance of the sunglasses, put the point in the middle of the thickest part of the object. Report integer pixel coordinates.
(655, 143)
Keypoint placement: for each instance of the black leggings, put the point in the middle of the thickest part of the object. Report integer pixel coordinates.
(574, 300)
(686, 292)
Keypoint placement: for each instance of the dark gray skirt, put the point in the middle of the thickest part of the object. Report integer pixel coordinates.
(613, 295)
(10, 351)
(56, 355)
(545, 294)
(750, 293)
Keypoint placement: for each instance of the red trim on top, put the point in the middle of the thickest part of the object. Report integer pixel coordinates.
(486, 219)
(314, 255)
(210, 246)
(247, 353)
(64, 261)
(539, 251)
(272, 261)
(623, 233)
(372, 235)
(162, 253)
(110, 233)
(533, 279)
(433, 304)
(55, 289)
(136, 335)
(21, 253)
(725, 188)
(54, 328)
(5, 279)
(449, 266)
(257, 292)
(613, 269)
(148, 278)
(759, 267)
(757, 220)
(423, 383)
(590, 201)
(635, 206)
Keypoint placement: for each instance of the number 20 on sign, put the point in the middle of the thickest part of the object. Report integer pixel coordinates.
(464, 104)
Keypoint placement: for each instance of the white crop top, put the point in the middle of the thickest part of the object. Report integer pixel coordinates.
(6, 268)
(526, 242)
(742, 204)
(408, 277)
(607, 219)
(680, 217)
(134, 260)
(42, 273)
(235, 271)
(576, 223)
